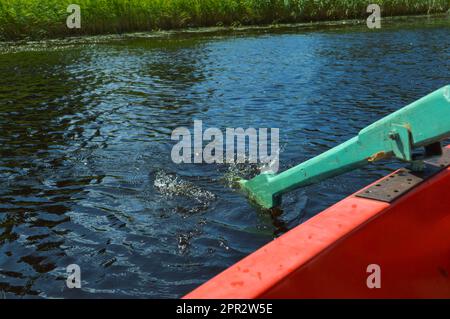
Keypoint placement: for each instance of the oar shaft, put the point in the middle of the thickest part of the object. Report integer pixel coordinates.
(421, 123)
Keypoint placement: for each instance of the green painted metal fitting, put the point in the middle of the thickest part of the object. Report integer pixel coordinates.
(393, 135)
(421, 123)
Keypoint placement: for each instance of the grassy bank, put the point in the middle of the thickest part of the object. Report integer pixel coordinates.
(21, 19)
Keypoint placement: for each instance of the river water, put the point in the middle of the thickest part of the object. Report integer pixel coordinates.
(86, 175)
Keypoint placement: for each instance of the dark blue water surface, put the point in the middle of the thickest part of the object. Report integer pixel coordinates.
(85, 170)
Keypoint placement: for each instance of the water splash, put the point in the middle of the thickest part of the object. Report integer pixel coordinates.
(237, 171)
(172, 185)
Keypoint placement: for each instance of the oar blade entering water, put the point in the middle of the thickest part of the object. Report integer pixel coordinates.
(259, 191)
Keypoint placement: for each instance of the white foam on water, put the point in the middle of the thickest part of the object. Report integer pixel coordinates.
(237, 171)
(172, 185)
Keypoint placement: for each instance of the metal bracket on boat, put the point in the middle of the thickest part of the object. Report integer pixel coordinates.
(401, 140)
(401, 182)
(420, 124)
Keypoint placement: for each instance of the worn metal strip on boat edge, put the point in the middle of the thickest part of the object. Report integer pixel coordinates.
(396, 185)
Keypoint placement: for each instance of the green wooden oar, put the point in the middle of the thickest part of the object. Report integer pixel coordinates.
(422, 123)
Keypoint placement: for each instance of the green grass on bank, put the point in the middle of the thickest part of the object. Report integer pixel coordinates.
(47, 18)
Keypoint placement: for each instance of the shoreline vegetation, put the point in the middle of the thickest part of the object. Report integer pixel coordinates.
(42, 19)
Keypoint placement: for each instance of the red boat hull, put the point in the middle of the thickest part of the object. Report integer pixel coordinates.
(328, 256)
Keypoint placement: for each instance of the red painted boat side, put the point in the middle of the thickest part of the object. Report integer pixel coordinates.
(328, 256)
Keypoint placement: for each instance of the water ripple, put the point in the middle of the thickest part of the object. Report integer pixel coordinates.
(85, 169)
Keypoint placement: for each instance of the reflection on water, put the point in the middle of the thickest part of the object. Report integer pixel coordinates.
(85, 169)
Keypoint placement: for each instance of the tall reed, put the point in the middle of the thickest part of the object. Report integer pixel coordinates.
(47, 18)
